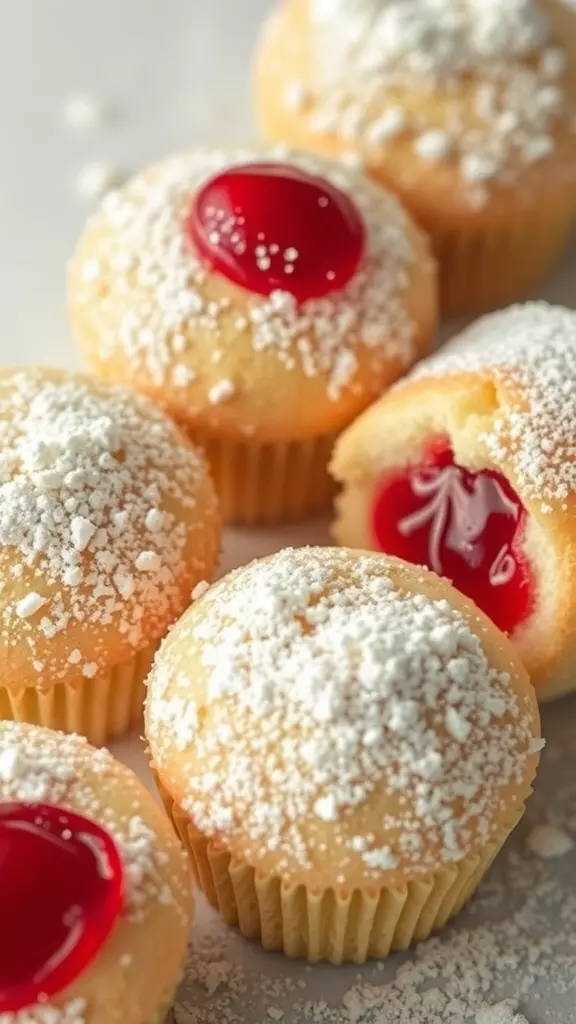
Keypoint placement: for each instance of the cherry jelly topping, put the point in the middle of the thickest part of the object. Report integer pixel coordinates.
(465, 526)
(61, 893)
(268, 226)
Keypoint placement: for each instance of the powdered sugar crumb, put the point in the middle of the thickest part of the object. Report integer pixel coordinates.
(72, 1013)
(220, 392)
(549, 842)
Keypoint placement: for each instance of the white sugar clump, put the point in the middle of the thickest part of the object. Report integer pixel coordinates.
(82, 112)
(155, 305)
(367, 50)
(549, 842)
(44, 1013)
(82, 470)
(341, 687)
(530, 350)
(96, 179)
(500, 1013)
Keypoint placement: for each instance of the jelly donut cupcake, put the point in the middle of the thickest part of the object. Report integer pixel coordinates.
(344, 743)
(96, 905)
(263, 299)
(469, 467)
(465, 109)
(108, 520)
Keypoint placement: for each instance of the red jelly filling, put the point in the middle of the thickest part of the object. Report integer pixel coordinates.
(273, 226)
(61, 894)
(465, 526)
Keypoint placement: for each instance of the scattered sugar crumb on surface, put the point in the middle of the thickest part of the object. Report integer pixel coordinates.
(549, 842)
(96, 179)
(505, 1012)
(83, 112)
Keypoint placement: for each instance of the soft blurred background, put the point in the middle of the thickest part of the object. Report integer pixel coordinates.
(162, 74)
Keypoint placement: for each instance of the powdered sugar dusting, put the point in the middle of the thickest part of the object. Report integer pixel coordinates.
(372, 55)
(326, 679)
(530, 353)
(81, 468)
(72, 1013)
(151, 292)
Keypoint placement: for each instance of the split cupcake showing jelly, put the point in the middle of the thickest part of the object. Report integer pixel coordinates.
(465, 109)
(468, 467)
(343, 742)
(81, 839)
(108, 520)
(263, 298)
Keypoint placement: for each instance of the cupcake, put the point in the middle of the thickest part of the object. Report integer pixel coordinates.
(96, 906)
(108, 521)
(467, 110)
(343, 743)
(469, 467)
(263, 299)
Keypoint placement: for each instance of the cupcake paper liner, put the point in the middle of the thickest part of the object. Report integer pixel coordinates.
(269, 483)
(101, 708)
(483, 270)
(337, 926)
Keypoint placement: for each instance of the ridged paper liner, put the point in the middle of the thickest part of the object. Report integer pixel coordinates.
(329, 925)
(483, 270)
(101, 708)
(269, 483)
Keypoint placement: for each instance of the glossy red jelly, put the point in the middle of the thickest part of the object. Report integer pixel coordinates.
(465, 526)
(268, 227)
(61, 885)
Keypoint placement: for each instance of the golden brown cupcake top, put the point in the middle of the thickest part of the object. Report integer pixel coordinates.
(486, 86)
(148, 309)
(107, 521)
(342, 719)
(136, 970)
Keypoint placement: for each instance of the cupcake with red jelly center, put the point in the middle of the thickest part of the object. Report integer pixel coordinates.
(96, 907)
(468, 467)
(264, 299)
